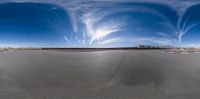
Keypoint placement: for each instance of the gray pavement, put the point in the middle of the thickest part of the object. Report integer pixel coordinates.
(125, 74)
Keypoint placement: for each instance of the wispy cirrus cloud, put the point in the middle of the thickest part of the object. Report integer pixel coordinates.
(91, 12)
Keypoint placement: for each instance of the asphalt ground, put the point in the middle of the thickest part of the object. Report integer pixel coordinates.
(118, 74)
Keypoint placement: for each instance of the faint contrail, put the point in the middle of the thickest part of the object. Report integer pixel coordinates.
(185, 27)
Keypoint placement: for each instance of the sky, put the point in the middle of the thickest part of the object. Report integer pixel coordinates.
(99, 23)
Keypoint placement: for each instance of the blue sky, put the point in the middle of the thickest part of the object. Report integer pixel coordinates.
(28, 24)
(95, 23)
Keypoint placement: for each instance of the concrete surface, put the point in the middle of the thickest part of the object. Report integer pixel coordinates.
(133, 74)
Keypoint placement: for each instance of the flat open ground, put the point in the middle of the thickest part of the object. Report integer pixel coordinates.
(119, 74)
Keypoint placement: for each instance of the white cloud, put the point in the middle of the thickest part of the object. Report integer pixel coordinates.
(105, 30)
(163, 34)
(66, 39)
(91, 14)
(112, 40)
(153, 40)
